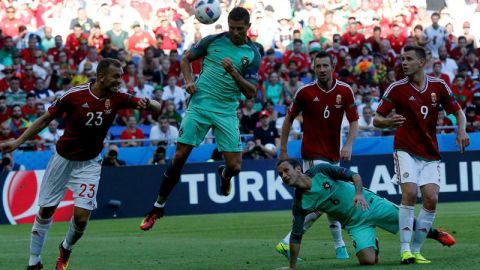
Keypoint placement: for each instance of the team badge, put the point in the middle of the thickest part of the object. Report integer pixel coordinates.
(245, 62)
(335, 201)
(406, 175)
(326, 185)
(338, 101)
(434, 99)
(108, 109)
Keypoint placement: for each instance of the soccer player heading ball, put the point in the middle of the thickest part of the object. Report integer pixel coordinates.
(230, 68)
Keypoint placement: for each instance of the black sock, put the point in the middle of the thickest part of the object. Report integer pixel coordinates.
(170, 179)
(432, 233)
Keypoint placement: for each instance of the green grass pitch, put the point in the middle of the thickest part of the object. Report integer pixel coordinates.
(233, 241)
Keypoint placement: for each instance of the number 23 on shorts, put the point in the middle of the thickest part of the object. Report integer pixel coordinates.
(87, 191)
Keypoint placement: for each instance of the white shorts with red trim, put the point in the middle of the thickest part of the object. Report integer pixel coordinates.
(81, 177)
(410, 169)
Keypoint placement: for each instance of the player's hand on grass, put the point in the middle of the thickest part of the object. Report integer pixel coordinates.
(462, 140)
(9, 146)
(359, 200)
(228, 65)
(191, 88)
(395, 120)
(346, 153)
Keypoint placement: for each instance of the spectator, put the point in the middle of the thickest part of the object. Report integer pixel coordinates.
(269, 64)
(266, 136)
(290, 87)
(29, 110)
(8, 164)
(6, 133)
(296, 55)
(7, 51)
(82, 20)
(171, 35)
(53, 52)
(174, 118)
(249, 117)
(107, 50)
(143, 89)
(397, 39)
(111, 158)
(92, 58)
(18, 124)
(158, 157)
(130, 77)
(9, 23)
(85, 76)
(14, 95)
(449, 66)
(41, 68)
(139, 40)
(273, 90)
(74, 39)
(443, 121)
(27, 80)
(459, 53)
(376, 39)
(471, 40)
(472, 64)
(462, 94)
(148, 64)
(353, 40)
(4, 111)
(96, 37)
(163, 132)
(436, 35)
(365, 123)
(419, 35)
(117, 35)
(132, 132)
(48, 40)
(51, 134)
(43, 94)
(40, 109)
(295, 131)
(437, 72)
(473, 119)
(175, 93)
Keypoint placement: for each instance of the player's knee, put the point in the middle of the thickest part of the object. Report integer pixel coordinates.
(234, 168)
(430, 201)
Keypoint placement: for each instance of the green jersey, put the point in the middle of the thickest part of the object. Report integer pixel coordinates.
(217, 91)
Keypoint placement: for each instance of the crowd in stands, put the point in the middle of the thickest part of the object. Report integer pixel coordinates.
(47, 47)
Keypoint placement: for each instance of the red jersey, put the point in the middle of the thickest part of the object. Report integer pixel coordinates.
(417, 135)
(87, 120)
(347, 40)
(397, 43)
(128, 135)
(322, 117)
(300, 58)
(138, 42)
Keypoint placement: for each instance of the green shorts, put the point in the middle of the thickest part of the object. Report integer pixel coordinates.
(196, 124)
(384, 214)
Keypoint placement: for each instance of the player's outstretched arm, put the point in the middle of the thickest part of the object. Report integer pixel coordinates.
(36, 127)
(286, 127)
(394, 120)
(462, 139)
(149, 104)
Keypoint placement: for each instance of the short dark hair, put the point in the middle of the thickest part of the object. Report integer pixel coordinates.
(323, 54)
(297, 40)
(29, 95)
(239, 14)
(435, 14)
(3, 97)
(419, 51)
(295, 163)
(105, 63)
(462, 37)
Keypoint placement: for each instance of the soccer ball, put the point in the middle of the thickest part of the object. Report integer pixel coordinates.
(207, 11)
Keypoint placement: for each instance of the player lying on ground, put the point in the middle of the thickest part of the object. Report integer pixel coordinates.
(329, 189)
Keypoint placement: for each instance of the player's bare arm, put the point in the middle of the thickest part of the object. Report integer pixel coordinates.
(394, 120)
(462, 139)
(247, 88)
(287, 125)
(31, 131)
(186, 68)
(346, 152)
(149, 105)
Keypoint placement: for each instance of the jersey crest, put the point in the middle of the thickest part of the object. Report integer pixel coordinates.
(434, 99)
(108, 109)
(338, 101)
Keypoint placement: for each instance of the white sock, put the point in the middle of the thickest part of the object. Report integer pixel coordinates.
(286, 240)
(37, 238)
(307, 223)
(156, 204)
(336, 231)
(74, 233)
(405, 224)
(424, 223)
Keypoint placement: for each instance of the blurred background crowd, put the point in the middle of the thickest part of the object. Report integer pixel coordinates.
(46, 47)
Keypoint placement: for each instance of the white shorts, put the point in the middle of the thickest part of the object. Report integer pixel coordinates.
(309, 163)
(409, 169)
(81, 177)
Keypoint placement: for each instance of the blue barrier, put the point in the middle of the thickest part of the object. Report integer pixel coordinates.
(257, 188)
(141, 155)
